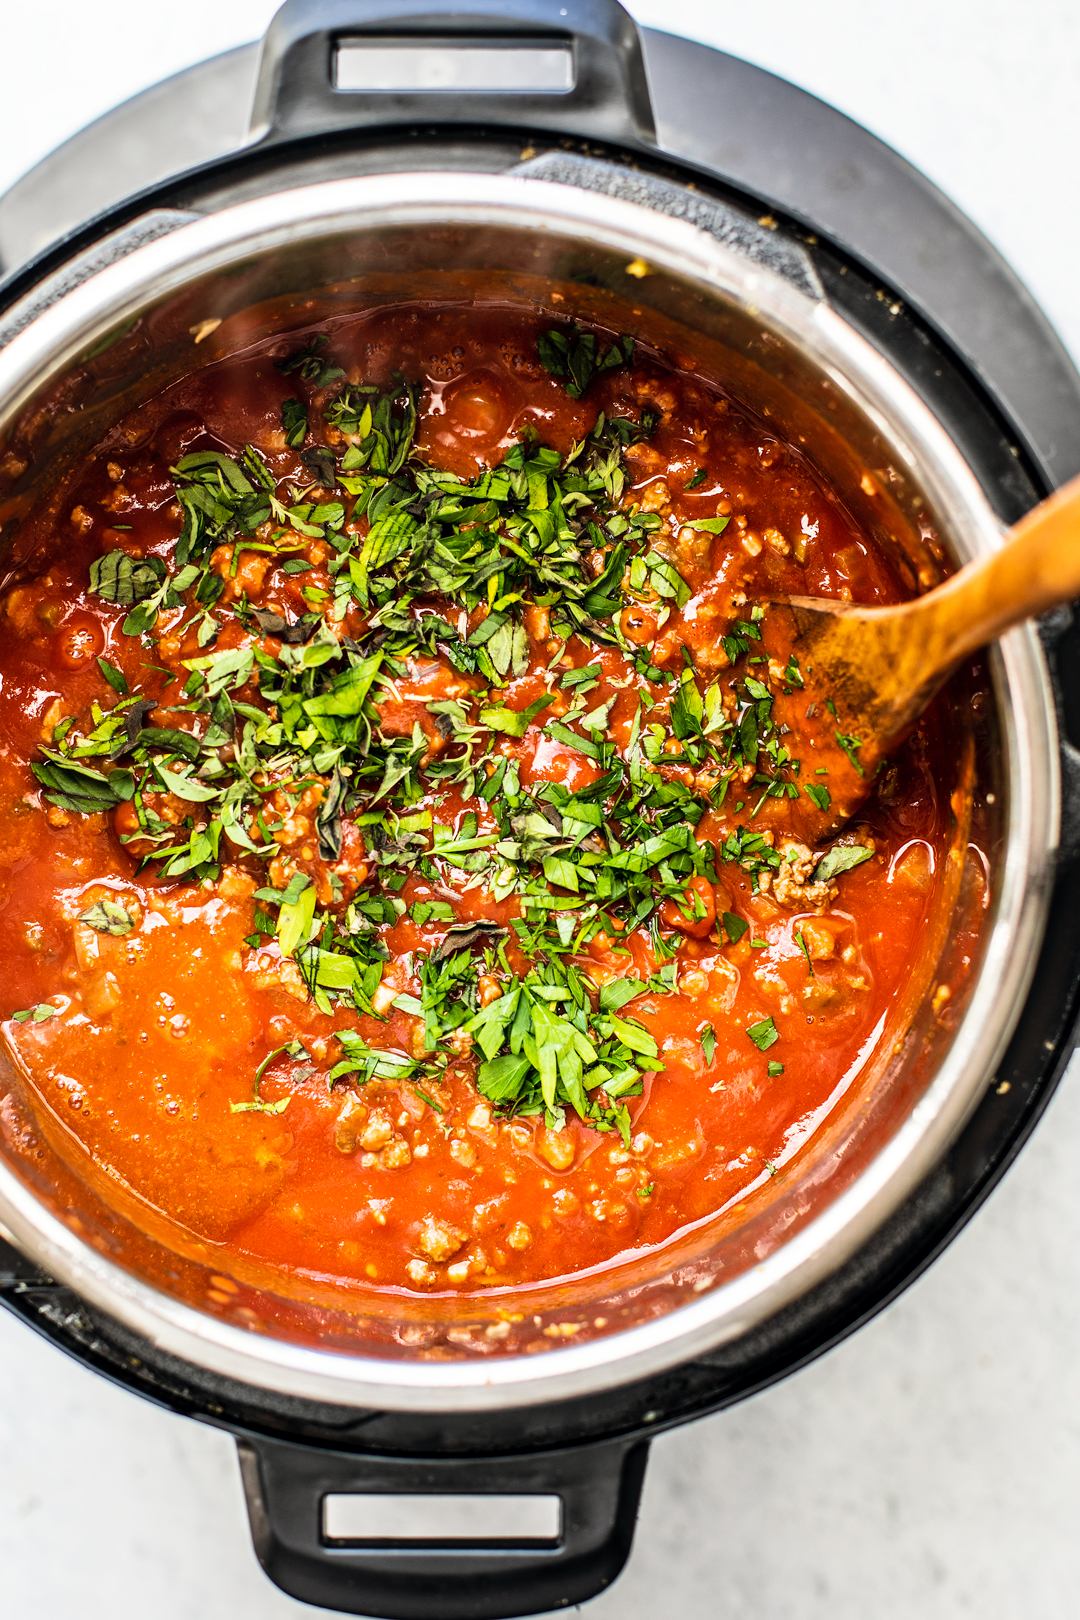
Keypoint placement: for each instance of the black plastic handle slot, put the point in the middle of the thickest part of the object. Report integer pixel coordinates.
(574, 67)
(471, 1538)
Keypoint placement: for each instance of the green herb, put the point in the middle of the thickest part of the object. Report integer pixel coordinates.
(545, 1049)
(295, 919)
(512, 722)
(36, 1014)
(841, 858)
(254, 728)
(115, 677)
(764, 1034)
(849, 745)
(734, 927)
(819, 793)
(117, 577)
(800, 940)
(381, 433)
(647, 1192)
(708, 1043)
(370, 1062)
(698, 479)
(257, 1105)
(436, 911)
(617, 992)
(311, 364)
(78, 787)
(576, 355)
(709, 525)
(775, 1069)
(294, 421)
(108, 917)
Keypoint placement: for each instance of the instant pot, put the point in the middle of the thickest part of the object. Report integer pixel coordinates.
(384, 148)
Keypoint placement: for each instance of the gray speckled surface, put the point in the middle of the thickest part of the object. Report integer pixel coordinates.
(930, 1466)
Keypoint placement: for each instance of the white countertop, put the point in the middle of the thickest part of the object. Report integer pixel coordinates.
(930, 1466)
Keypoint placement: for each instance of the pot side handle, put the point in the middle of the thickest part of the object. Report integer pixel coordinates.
(575, 67)
(408, 1538)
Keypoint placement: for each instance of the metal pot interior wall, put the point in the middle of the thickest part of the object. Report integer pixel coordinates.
(300, 284)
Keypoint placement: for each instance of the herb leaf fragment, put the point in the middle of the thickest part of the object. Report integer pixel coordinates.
(841, 858)
(108, 917)
(764, 1034)
(36, 1015)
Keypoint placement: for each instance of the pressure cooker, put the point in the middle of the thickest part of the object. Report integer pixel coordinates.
(396, 150)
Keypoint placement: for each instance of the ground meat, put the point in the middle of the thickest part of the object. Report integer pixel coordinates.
(791, 885)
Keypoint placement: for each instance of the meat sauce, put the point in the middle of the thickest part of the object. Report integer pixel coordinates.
(402, 773)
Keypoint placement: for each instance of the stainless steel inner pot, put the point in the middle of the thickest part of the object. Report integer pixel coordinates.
(85, 351)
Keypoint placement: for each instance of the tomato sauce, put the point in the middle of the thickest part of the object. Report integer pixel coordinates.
(213, 874)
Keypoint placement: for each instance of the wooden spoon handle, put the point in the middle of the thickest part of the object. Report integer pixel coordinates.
(1038, 568)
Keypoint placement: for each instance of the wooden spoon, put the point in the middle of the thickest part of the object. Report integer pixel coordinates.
(869, 673)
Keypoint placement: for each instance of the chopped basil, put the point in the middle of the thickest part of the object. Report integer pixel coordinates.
(108, 917)
(576, 355)
(294, 703)
(294, 422)
(511, 722)
(841, 858)
(850, 745)
(617, 992)
(311, 364)
(115, 677)
(36, 1014)
(764, 1034)
(709, 525)
(545, 1048)
(257, 1105)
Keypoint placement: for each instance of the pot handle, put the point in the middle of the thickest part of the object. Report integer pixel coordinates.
(575, 67)
(463, 1538)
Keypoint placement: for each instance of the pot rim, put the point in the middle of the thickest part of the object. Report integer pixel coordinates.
(57, 336)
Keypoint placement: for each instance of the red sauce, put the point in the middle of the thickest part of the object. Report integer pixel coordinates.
(769, 987)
